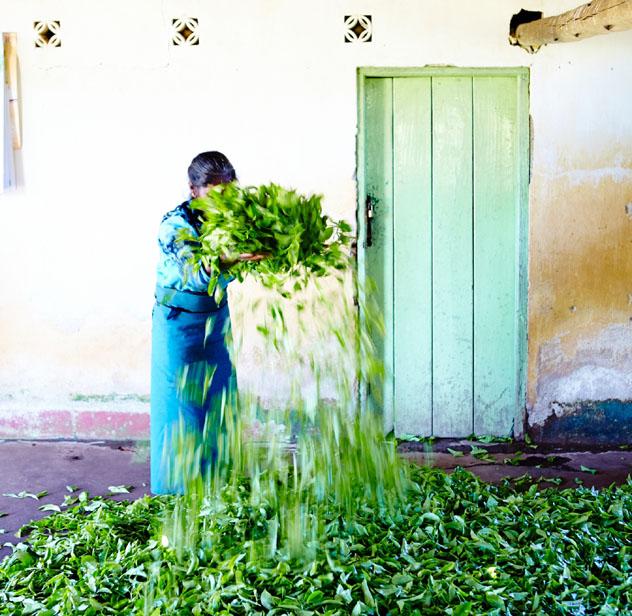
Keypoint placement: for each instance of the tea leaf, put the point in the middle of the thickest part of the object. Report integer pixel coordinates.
(24, 494)
(50, 507)
(586, 469)
(120, 489)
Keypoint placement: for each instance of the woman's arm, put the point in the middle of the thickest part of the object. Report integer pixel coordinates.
(177, 267)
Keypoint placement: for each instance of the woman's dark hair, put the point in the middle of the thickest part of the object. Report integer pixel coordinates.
(211, 168)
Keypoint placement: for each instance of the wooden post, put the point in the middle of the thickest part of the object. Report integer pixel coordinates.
(596, 17)
(11, 80)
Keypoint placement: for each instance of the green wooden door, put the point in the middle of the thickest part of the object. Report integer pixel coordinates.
(444, 167)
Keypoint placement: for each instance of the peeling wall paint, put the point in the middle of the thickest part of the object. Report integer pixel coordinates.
(587, 422)
(580, 284)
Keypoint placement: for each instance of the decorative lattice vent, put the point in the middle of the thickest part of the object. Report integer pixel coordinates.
(185, 31)
(47, 33)
(358, 28)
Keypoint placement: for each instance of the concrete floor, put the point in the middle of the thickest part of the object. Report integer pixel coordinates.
(34, 466)
(610, 466)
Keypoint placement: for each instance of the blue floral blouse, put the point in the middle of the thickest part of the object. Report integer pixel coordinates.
(174, 268)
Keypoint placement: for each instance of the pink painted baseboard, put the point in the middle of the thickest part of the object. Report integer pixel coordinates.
(109, 425)
(75, 424)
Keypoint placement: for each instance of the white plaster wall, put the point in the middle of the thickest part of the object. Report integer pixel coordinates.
(112, 118)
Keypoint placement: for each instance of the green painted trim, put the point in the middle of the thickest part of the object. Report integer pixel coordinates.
(523, 180)
(442, 71)
(361, 226)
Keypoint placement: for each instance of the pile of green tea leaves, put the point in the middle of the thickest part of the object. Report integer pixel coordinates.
(455, 546)
(289, 228)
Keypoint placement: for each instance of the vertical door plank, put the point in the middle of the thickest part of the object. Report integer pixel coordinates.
(412, 200)
(452, 256)
(379, 256)
(496, 207)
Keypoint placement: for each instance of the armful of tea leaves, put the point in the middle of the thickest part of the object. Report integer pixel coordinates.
(268, 231)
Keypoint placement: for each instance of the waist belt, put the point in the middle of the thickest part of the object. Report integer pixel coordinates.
(188, 300)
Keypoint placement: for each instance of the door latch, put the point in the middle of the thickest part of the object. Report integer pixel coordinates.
(369, 213)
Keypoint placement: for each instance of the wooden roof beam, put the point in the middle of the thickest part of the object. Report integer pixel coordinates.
(531, 31)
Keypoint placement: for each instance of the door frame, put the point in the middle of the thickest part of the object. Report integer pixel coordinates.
(522, 219)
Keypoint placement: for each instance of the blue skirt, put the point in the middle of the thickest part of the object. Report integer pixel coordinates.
(191, 373)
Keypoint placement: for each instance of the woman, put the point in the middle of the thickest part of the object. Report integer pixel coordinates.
(191, 369)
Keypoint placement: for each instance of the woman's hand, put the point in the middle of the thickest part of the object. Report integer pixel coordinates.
(227, 261)
(253, 256)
